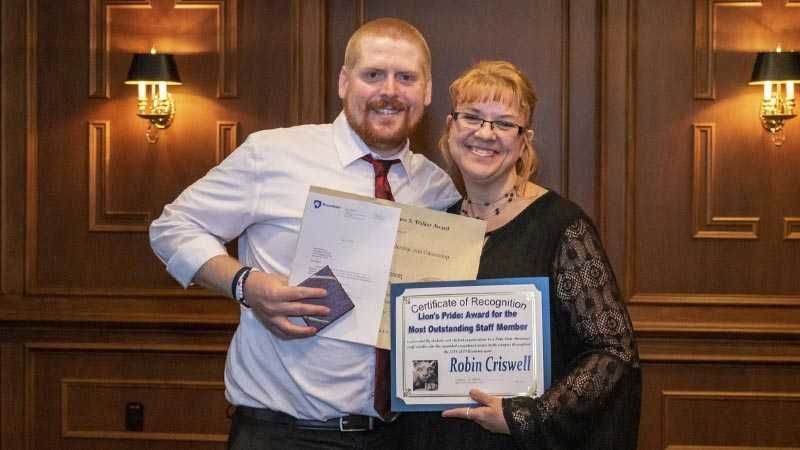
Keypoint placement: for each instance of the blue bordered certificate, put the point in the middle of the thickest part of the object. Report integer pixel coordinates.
(451, 336)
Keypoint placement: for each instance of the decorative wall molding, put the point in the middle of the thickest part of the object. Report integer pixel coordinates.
(34, 350)
(166, 308)
(715, 328)
(603, 66)
(360, 12)
(617, 129)
(31, 347)
(705, 225)
(631, 101)
(99, 40)
(68, 405)
(683, 299)
(670, 398)
(14, 118)
(101, 215)
(724, 447)
(671, 395)
(32, 146)
(791, 225)
(227, 42)
(565, 98)
(307, 66)
(102, 218)
(227, 139)
(716, 315)
(704, 44)
(739, 350)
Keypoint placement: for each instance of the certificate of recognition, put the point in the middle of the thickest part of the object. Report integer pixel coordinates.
(450, 337)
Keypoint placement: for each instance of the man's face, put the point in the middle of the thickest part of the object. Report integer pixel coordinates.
(385, 93)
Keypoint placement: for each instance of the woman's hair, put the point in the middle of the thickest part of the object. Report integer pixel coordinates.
(503, 82)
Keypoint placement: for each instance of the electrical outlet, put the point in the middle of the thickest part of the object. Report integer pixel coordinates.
(134, 416)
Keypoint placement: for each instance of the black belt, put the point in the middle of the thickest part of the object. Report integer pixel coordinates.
(351, 422)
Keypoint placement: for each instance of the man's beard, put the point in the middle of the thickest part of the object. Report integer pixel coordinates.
(374, 138)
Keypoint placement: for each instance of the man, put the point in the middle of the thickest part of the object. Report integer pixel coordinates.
(292, 388)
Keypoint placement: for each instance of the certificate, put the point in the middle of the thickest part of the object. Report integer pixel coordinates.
(368, 243)
(432, 246)
(355, 237)
(450, 337)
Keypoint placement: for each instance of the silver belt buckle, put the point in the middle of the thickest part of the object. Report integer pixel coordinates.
(370, 425)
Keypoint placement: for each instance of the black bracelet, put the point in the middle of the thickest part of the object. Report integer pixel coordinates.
(242, 300)
(235, 281)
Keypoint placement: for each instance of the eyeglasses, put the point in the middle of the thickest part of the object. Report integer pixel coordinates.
(473, 122)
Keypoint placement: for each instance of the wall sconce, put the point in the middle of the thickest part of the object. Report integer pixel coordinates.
(778, 71)
(153, 72)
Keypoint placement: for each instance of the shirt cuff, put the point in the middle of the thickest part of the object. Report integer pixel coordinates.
(184, 264)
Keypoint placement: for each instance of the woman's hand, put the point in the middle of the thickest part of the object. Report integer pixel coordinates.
(489, 415)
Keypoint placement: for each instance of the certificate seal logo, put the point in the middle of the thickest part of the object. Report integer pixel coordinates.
(426, 374)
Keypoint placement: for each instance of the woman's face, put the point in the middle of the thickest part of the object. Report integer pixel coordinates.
(485, 153)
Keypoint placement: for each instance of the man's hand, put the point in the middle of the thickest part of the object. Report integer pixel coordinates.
(273, 300)
(268, 294)
(489, 415)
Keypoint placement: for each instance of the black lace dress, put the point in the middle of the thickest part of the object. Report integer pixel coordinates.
(594, 400)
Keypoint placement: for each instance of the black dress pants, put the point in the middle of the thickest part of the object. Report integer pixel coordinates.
(248, 433)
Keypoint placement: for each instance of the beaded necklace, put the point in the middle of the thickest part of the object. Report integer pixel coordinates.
(498, 204)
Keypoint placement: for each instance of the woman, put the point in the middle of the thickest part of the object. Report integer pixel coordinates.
(593, 401)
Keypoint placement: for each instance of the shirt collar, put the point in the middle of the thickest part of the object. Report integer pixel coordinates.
(350, 147)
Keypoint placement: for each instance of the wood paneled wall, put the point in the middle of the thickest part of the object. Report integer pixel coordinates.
(645, 118)
(711, 269)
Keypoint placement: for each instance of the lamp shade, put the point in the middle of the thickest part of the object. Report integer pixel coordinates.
(776, 66)
(153, 68)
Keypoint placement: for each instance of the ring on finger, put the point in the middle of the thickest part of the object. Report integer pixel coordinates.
(469, 410)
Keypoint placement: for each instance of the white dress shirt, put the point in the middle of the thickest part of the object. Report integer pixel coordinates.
(258, 194)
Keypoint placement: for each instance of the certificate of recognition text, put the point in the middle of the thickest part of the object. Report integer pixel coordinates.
(452, 337)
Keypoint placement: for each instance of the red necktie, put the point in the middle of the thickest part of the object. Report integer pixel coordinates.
(381, 167)
(384, 191)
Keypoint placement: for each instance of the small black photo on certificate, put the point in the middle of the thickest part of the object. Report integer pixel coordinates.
(426, 374)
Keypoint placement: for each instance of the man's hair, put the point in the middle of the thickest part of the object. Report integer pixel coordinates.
(391, 28)
(502, 82)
